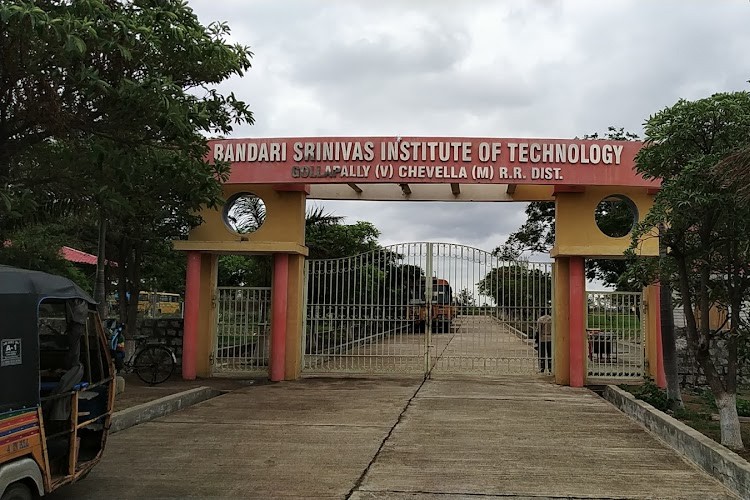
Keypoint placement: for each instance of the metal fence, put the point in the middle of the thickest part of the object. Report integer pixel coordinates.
(615, 334)
(425, 307)
(243, 330)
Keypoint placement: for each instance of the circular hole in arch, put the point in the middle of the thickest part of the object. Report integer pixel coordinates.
(616, 215)
(244, 213)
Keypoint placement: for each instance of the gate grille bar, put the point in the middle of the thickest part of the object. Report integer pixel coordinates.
(425, 308)
(243, 330)
(614, 331)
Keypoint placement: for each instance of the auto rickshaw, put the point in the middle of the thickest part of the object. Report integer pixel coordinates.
(56, 383)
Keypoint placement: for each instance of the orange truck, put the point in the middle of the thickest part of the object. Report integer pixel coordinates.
(441, 310)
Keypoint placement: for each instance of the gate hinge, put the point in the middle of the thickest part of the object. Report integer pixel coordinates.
(211, 359)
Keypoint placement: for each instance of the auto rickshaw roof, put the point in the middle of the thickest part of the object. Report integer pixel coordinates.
(21, 292)
(38, 285)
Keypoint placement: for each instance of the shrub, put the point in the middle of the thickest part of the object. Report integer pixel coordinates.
(651, 394)
(743, 405)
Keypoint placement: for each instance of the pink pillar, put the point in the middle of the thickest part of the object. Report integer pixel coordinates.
(577, 322)
(661, 377)
(278, 316)
(192, 305)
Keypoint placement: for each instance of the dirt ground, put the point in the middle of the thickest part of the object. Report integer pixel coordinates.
(700, 411)
(699, 415)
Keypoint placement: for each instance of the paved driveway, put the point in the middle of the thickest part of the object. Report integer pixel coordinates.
(395, 438)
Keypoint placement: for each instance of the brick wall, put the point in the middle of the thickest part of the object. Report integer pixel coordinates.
(167, 331)
(691, 374)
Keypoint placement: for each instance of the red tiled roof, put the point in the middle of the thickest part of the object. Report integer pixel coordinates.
(74, 255)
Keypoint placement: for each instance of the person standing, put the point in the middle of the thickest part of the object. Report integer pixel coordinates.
(544, 332)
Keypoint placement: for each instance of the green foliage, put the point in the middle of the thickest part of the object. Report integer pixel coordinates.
(651, 394)
(325, 236)
(465, 298)
(104, 111)
(703, 223)
(517, 289)
(244, 270)
(743, 405)
(164, 268)
(328, 238)
(38, 247)
(537, 234)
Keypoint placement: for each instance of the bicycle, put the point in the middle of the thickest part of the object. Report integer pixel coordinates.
(153, 363)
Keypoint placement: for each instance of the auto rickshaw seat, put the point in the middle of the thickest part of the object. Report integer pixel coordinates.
(59, 408)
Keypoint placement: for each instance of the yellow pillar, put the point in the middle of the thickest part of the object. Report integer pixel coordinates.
(577, 235)
(295, 327)
(207, 319)
(561, 320)
(283, 232)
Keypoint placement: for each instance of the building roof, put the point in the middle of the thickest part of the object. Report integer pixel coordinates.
(80, 257)
(73, 255)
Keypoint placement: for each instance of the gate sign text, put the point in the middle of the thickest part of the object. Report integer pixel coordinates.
(331, 160)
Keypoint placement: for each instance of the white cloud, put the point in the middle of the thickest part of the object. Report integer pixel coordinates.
(511, 69)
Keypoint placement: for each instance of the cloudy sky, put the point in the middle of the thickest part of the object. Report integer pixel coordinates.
(555, 69)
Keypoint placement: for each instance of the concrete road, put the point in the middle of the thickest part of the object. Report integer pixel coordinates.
(475, 344)
(390, 438)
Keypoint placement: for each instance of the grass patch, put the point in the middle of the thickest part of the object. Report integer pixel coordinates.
(699, 410)
(610, 321)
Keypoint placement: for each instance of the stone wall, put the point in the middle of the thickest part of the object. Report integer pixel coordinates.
(692, 375)
(167, 331)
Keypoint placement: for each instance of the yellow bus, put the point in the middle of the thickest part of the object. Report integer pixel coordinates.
(159, 303)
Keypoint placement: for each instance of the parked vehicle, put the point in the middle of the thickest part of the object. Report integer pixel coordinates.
(55, 415)
(161, 303)
(153, 363)
(440, 310)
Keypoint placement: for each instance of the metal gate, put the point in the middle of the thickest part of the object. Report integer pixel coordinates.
(243, 330)
(615, 327)
(425, 308)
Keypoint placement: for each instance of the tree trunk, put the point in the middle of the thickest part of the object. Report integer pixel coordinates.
(668, 341)
(729, 421)
(134, 286)
(100, 293)
(669, 348)
(724, 394)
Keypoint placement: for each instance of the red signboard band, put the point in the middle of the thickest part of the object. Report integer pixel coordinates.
(430, 160)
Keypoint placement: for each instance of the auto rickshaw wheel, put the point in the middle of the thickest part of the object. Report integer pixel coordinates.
(17, 491)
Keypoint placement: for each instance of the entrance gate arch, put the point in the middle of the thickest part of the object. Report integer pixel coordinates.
(577, 175)
(423, 308)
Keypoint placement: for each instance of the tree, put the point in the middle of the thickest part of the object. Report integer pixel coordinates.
(328, 238)
(129, 92)
(705, 229)
(37, 247)
(520, 291)
(465, 298)
(325, 236)
(537, 234)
